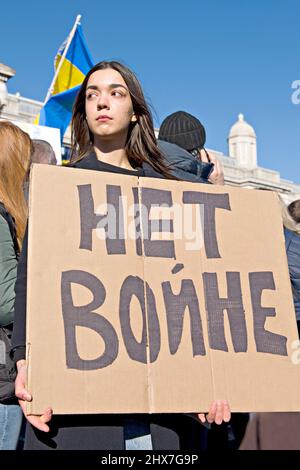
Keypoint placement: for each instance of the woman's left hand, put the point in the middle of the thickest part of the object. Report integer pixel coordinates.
(219, 411)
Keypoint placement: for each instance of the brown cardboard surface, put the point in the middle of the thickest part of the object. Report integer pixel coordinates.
(165, 375)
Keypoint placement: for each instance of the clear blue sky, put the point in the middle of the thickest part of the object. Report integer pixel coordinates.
(213, 59)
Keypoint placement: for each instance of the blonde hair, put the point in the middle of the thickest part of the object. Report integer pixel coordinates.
(288, 221)
(15, 154)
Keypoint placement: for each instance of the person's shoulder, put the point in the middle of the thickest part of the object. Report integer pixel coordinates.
(292, 240)
(288, 233)
(2, 209)
(88, 162)
(173, 151)
(5, 235)
(149, 172)
(4, 215)
(183, 164)
(2, 220)
(295, 238)
(77, 164)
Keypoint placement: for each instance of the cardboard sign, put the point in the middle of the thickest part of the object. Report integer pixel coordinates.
(150, 295)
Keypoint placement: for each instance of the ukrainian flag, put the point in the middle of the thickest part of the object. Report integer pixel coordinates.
(74, 61)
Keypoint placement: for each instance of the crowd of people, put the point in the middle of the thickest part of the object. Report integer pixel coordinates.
(112, 131)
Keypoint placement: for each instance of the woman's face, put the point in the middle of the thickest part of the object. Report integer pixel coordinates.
(108, 106)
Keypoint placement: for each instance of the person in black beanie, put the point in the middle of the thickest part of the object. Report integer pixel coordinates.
(187, 132)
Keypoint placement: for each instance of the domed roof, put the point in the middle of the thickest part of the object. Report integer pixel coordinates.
(241, 129)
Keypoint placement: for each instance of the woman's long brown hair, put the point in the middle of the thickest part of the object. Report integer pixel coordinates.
(141, 143)
(15, 153)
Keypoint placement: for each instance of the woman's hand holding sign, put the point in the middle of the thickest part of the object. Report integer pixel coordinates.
(23, 395)
(218, 412)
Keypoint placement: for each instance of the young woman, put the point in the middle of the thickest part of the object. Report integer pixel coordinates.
(15, 152)
(112, 131)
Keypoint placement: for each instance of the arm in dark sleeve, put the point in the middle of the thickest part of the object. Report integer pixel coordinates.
(19, 330)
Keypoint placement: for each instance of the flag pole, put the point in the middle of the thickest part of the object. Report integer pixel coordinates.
(69, 40)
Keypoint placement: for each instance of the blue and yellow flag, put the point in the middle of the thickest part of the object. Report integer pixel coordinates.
(57, 111)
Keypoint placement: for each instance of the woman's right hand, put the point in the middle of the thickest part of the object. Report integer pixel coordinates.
(23, 395)
(217, 175)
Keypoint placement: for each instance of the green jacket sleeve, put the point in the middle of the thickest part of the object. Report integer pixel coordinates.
(8, 274)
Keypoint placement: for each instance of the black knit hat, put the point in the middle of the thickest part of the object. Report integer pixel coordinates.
(184, 130)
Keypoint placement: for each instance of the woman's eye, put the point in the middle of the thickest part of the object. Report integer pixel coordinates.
(90, 95)
(117, 93)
